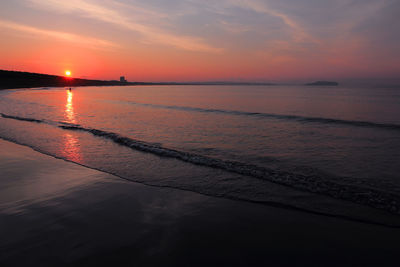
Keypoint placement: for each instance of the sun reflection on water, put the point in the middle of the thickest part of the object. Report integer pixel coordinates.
(71, 144)
(69, 108)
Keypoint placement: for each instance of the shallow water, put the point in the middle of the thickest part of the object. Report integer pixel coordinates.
(232, 141)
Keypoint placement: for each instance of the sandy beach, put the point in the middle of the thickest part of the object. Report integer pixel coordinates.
(56, 213)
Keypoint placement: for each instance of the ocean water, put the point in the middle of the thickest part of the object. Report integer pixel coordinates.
(332, 150)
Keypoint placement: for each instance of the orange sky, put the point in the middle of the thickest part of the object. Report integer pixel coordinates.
(202, 40)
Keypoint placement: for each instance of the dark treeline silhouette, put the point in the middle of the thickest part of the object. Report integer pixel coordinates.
(17, 79)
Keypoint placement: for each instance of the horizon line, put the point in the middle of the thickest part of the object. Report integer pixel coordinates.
(393, 81)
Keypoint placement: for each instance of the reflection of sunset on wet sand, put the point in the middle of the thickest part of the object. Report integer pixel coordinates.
(71, 148)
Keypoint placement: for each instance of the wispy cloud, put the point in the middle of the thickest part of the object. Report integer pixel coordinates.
(70, 37)
(109, 15)
(299, 34)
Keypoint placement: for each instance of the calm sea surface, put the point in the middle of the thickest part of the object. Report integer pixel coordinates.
(280, 144)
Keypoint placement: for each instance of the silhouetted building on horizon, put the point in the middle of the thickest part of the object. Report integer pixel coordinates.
(122, 79)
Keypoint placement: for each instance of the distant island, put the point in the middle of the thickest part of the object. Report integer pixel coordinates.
(323, 83)
(18, 79)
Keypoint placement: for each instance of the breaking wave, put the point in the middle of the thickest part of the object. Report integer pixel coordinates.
(20, 118)
(312, 182)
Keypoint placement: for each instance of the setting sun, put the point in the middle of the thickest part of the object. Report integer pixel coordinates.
(68, 73)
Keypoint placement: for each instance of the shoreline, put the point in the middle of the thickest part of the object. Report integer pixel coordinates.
(388, 220)
(57, 212)
(284, 197)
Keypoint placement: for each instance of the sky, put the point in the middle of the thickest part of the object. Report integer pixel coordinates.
(203, 40)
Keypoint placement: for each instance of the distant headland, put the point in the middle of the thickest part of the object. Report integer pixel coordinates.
(323, 83)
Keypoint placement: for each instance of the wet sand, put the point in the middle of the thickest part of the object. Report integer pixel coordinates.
(56, 213)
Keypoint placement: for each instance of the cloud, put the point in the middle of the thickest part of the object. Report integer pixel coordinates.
(70, 37)
(345, 33)
(109, 15)
(298, 33)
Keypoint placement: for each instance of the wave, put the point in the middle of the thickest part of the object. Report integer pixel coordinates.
(312, 182)
(305, 119)
(20, 118)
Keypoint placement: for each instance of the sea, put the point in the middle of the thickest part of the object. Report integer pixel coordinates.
(334, 151)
